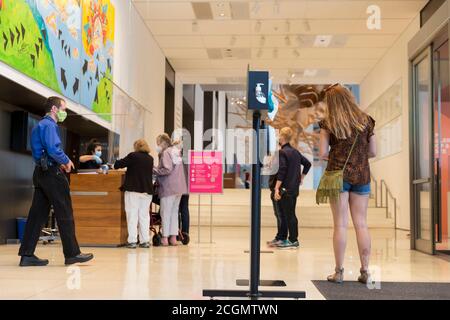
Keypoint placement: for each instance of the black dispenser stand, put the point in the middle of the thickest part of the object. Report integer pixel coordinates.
(255, 238)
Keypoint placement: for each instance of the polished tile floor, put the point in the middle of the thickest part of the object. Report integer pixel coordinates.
(182, 272)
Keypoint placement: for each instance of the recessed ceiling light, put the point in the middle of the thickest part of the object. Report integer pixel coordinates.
(323, 41)
(292, 75)
(222, 14)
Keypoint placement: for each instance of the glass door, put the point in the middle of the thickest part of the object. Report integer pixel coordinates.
(422, 174)
(442, 143)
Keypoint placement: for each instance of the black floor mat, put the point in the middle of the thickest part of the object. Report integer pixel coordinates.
(352, 290)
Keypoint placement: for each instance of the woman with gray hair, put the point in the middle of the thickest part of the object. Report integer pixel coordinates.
(171, 186)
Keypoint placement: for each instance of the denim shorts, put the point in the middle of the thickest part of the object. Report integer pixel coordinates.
(361, 189)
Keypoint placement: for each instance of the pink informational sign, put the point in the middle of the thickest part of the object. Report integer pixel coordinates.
(205, 172)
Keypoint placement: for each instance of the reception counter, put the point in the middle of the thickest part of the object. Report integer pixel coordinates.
(98, 209)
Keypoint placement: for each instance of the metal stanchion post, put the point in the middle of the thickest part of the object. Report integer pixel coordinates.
(198, 220)
(210, 219)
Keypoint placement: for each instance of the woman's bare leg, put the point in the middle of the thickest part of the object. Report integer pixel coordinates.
(358, 209)
(340, 220)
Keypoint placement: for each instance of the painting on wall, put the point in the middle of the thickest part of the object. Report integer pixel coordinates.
(98, 51)
(67, 45)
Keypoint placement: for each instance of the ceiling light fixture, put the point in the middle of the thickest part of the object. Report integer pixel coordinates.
(323, 41)
(296, 53)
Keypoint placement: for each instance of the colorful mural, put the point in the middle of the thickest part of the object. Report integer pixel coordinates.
(98, 51)
(65, 44)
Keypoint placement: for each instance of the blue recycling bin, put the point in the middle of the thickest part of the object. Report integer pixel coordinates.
(21, 223)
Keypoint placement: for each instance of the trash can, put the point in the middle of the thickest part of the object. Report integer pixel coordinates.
(21, 223)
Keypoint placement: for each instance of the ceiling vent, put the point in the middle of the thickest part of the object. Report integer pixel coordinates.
(202, 10)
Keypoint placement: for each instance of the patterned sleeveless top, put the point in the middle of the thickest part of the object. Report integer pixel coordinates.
(357, 171)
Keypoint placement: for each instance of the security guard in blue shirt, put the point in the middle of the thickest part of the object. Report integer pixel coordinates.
(51, 189)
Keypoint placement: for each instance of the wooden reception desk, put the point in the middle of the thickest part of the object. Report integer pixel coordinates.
(98, 209)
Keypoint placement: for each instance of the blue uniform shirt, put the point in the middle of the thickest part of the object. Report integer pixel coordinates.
(45, 138)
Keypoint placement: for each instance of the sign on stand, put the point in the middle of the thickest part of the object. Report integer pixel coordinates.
(205, 172)
(205, 177)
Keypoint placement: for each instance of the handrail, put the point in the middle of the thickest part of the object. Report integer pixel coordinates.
(383, 201)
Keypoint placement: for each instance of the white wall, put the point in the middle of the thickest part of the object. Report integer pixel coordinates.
(395, 168)
(139, 67)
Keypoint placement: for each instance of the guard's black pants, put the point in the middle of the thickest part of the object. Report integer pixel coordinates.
(51, 188)
(289, 222)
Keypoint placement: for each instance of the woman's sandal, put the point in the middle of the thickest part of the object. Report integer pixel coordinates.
(364, 277)
(337, 277)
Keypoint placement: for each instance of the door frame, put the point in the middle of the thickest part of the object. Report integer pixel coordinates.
(427, 246)
(423, 41)
(441, 39)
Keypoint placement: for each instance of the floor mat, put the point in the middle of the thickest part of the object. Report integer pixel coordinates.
(352, 290)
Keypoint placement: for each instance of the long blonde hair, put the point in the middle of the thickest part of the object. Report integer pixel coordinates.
(343, 116)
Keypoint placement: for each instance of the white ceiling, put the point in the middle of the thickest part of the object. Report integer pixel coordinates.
(275, 35)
